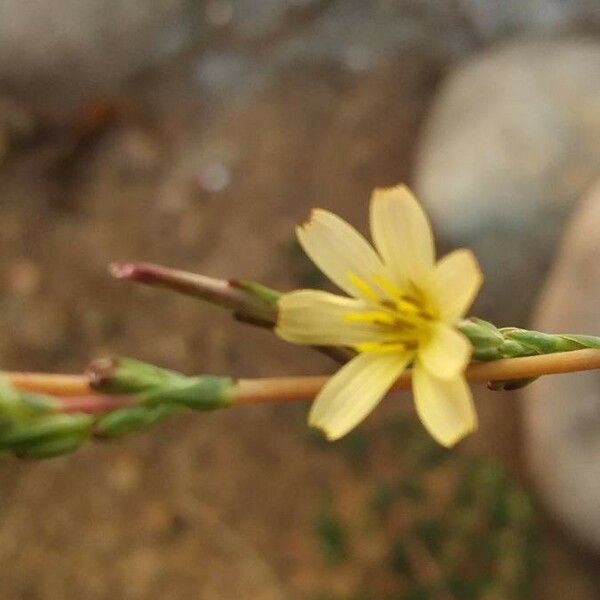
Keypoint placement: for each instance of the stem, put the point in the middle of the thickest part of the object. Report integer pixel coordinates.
(95, 404)
(282, 389)
(249, 302)
(228, 294)
(51, 384)
(73, 392)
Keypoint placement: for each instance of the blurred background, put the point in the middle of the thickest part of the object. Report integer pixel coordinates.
(196, 134)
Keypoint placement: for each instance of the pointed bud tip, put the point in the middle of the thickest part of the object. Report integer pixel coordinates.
(101, 371)
(123, 270)
(140, 272)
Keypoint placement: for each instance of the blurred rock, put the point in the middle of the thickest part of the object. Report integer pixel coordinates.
(87, 46)
(62, 53)
(511, 143)
(496, 18)
(562, 413)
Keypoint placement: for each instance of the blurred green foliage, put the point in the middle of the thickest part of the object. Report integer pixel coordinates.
(442, 525)
(330, 532)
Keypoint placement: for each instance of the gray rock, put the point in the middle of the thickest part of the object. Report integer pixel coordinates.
(562, 413)
(87, 46)
(496, 18)
(511, 143)
(71, 50)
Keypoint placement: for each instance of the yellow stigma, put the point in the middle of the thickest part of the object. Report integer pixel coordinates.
(403, 315)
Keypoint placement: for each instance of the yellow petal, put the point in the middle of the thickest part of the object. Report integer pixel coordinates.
(317, 317)
(445, 407)
(454, 284)
(339, 250)
(446, 353)
(402, 234)
(354, 391)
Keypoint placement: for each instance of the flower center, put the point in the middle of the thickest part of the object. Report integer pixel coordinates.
(404, 316)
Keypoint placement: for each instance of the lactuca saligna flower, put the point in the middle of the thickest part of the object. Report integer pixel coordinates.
(402, 311)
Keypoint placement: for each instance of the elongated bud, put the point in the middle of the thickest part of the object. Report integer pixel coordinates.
(156, 386)
(18, 406)
(127, 376)
(491, 343)
(205, 392)
(47, 436)
(486, 339)
(535, 342)
(132, 420)
(248, 300)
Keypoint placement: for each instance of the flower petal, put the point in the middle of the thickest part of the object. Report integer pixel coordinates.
(339, 250)
(402, 234)
(446, 353)
(354, 391)
(317, 317)
(454, 284)
(445, 407)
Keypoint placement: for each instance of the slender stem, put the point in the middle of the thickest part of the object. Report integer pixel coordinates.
(94, 403)
(281, 389)
(249, 302)
(227, 294)
(73, 392)
(50, 383)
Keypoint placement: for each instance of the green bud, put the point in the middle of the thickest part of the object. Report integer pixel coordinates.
(205, 392)
(45, 428)
(132, 420)
(47, 436)
(535, 342)
(486, 338)
(259, 291)
(157, 386)
(128, 376)
(492, 343)
(64, 444)
(583, 341)
(18, 406)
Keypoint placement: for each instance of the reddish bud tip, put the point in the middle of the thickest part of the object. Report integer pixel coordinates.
(132, 271)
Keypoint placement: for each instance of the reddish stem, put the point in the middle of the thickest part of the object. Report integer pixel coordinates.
(95, 404)
(227, 294)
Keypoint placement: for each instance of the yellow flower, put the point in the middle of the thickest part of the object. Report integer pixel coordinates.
(401, 311)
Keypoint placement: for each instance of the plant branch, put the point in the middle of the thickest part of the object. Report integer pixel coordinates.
(50, 383)
(95, 404)
(249, 302)
(245, 302)
(282, 389)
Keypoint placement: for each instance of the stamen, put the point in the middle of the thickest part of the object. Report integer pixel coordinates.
(380, 347)
(392, 290)
(406, 306)
(408, 303)
(371, 316)
(400, 313)
(363, 287)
